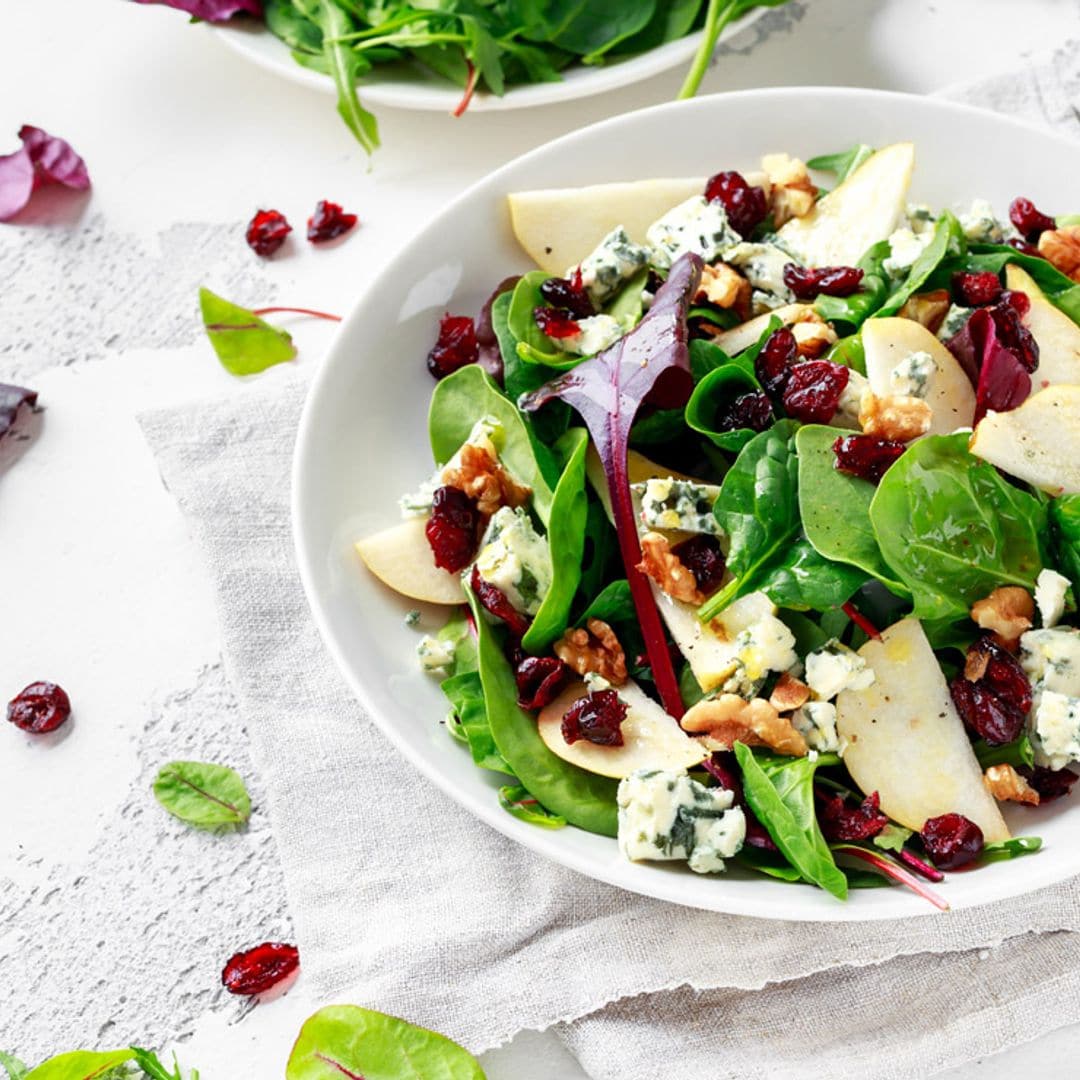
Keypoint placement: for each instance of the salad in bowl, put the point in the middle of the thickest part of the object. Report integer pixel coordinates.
(754, 520)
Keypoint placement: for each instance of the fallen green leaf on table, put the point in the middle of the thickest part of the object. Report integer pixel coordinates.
(80, 1065)
(13, 1067)
(204, 795)
(244, 343)
(150, 1064)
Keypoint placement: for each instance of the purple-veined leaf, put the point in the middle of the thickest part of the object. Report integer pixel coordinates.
(885, 864)
(43, 159)
(212, 10)
(1001, 382)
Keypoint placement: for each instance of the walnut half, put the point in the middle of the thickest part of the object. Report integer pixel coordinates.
(792, 191)
(899, 418)
(1007, 785)
(667, 570)
(482, 478)
(1006, 612)
(728, 719)
(1061, 247)
(596, 649)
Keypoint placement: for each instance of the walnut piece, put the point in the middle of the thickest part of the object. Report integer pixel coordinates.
(728, 719)
(666, 569)
(901, 418)
(1061, 247)
(1007, 785)
(793, 193)
(481, 477)
(927, 309)
(789, 693)
(723, 286)
(1007, 612)
(594, 650)
(813, 335)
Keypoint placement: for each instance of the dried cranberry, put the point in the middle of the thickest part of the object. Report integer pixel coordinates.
(842, 822)
(1049, 783)
(746, 206)
(992, 694)
(985, 713)
(865, 456)
(569, 295)
(495, 602)
(453, 529)
(807, 283)
(723, 768)
(556, 323)
(456, 346)
(1000, 671)
(1028, 220)
(752, 410)
(701, 555)
(41, 707)
(256, 970)
(539, 680)
(774, 362)
(266, 231)
(975, 289)
(951, 840)
(328, 222)
(597, 718)
(813, 391)
(1025, 248)
(1011, 332)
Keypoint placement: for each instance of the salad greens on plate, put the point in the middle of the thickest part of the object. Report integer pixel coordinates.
(755, 522)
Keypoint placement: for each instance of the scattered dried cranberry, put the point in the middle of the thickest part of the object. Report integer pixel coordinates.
(41, 707)
(1025, 248)
(976, 289)
(1028, 220)
(596, 718)
(456, 346)
(328, 222)
(494, 601)
(842, 822)
(556, 323)
(807, 283)
(453, 529)
(951, 840)
(1049, 783)
(746, 206)
(701, 555)
(539, 680)
(992, 694)
(865, 456)
(723, 768)
(774, 362)
(568, 294)
(266, 231)
(257, 970)
(813, 390)
(752, 410)
(1011, 332)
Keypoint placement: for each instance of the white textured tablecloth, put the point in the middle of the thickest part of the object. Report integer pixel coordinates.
(403, 901)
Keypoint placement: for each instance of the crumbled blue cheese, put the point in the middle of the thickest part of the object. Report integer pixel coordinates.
(834, 668)
(694, 226)
(816, 722)
(920, 218)
(905, 246)
(412, 618)
(487, 434)
(1050, 590)
(609, 264)
(1056, 734)
(516, 559)
(767, 645)
(668, 816)
(1051, 660)
(668, 503)
(847, 408)
(981, 225)
(955, 320)
(595, 334)
(911, 377)
(436, 655)
(763, 266)
(595, 682)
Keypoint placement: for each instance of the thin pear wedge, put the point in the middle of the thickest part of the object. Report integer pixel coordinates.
(401, 558)
(1057, 336)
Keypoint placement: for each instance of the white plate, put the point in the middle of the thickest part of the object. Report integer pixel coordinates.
(362, 439)
(414, 87)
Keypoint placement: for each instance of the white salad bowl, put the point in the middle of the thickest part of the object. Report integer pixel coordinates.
(363, 438)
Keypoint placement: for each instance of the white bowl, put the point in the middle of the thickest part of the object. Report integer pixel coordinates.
(362, 439)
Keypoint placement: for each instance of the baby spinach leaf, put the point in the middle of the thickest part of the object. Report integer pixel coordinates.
(714, 392)
(780, 791)
(466, 696)
(517, 802)
(456, 629)
(593, 29)
(1014, 848)
(659, 428)
(844, 163)
(566, 542)
(765, 862)
(244, 343)
(201, 794)
(13, 1067)
(803, 579)
(583, 798)
(835, 507)
(349, 1041)
(948, 239)
(1064, 514)
(601, 549)
(705, 357)
(614, 604)
(859, 306)
(80, 1065)
(670, 21)
(953, 529)
(849, 351)
(628, 303)
(533, 345)
(809, 635)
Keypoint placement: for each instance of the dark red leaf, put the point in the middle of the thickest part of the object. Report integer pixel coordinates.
(996, 371)
(839, 821)
(489, 355)
(44, 159)
(212, 10)
(11, 399)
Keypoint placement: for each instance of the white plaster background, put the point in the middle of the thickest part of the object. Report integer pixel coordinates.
(115, 919)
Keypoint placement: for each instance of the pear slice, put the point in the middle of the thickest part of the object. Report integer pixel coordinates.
(951, 396)
(744, 335)
(558, 227)
(401, 558)
(862, 210)
(1057, 336)
(1039, 442)
(906, 741)
(651, 738)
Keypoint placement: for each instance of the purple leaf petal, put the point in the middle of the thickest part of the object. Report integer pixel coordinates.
(55, 162)
(650, 363)
(16, 182)
(212, 10)
(1000, 379)
(11, 397)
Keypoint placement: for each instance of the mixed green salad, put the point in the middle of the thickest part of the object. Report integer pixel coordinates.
(755, 518)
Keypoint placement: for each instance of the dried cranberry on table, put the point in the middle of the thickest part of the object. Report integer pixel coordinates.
(951, 841)
(456, 346)
(328, 222)
(808, 283)
(751, 410)
(256, 970)
(702, 556)
(813, 391)
(266, 232)
(453, 529)
(865, 456)
(597, 718)
(539, 680)
(842, 822)
(1030, 222)
(40, 708)
(774, 362)
(745, 205)
(976, 289)
(992, 694)
(568, 294)
(494, 601)
(555, 322)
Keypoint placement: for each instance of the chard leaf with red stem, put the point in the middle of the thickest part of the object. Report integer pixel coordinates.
(244, 343)
(650, 363)
(1001, 382)
(885, 864)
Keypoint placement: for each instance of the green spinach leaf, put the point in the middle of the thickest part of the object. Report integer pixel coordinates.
(533, 345)
(803, 579)
(713, 394)
(872, 294)
(466, 696)
(1064, 514)
(1014, 848)
(79, 1065)
(844, 163)
(517, 802)
(201, 794)
(949, 239)
(614, 604)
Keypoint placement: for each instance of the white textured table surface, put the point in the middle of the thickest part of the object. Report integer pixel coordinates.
(114, 918)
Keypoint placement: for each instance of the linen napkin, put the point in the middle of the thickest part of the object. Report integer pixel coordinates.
(403, 901)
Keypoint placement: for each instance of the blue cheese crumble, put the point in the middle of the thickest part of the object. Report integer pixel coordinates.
(834, 668)
(1050, 591)
(615, 259)
(1051, 660)
(955, 320)
(816, 722)
(911, 377)
(767, 645)
(436, 655)
(905, 246)
(1056, 739)
(667, 816)
(516, 559)
(763, 266)
(695, 226)
(981, 225)
(667, 503)
(595, 334)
